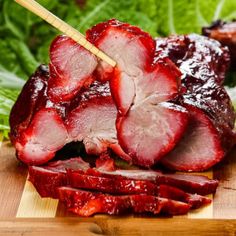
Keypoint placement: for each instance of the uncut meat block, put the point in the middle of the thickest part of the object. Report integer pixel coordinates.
(209, 136)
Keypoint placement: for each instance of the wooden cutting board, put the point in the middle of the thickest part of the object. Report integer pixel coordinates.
(23, 212)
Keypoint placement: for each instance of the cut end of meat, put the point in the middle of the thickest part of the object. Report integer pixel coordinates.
(150, 131)
(46, 179)
(114, 37)
(45, 135)
(200, 147)
(138, 86)
(93, 122)
(71, 68)
(30, 100)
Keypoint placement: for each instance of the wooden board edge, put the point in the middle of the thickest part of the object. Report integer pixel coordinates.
(116, 226)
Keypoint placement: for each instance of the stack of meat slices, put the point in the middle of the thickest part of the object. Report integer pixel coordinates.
(86, 191)
(141, 110)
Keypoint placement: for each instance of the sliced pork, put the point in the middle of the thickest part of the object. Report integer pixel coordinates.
(93, 121)
(77, 113)
(42, 126)
(145, 110)
(71, 68)
(37, 128)
(203, 63)
(141, 91)
(86, 203)
(47, 178)
(119, 185)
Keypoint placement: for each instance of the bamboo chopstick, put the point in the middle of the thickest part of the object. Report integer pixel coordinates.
(59, 24)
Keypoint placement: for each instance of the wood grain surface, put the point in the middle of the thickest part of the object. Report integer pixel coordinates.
(127, 226)
(24, 212)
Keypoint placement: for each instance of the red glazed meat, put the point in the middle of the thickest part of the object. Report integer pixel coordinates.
(141, 90)
(203, 63)
(47, 178)
(225, 33)
(86, 203)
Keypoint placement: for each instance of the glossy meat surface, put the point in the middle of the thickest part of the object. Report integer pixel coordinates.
(203, 63)
(86, 203)
(225, 33)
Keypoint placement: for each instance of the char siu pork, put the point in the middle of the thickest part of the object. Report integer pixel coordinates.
(163, 104)
(203, 63)
(225, 33)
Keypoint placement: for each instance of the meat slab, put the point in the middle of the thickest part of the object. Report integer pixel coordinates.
(203, 63)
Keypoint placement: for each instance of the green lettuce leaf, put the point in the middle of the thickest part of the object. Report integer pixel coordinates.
(184, 16)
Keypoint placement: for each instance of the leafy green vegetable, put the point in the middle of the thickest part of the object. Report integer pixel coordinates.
(25, 38)
(184, 16)
(7, 99)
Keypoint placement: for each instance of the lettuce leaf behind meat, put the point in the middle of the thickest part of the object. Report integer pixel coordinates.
(187, 16)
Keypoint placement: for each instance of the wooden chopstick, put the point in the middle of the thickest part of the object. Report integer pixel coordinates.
(59, 24)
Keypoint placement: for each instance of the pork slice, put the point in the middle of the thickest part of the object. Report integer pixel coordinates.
(71, 68)
(85, 203)
(43, 137)
(139, 88)
(150, 131)
(190, 183)
(200, 147)
(30, 100)
(37, 127)
(47, 178)
(120, 185)
(93, 121)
